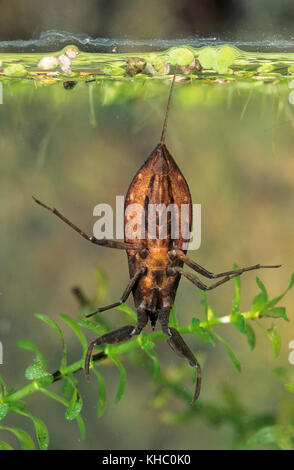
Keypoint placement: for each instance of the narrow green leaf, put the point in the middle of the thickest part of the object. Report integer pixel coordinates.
(81, 424)
(173, 322)
(50, 322)
(3, 410)
(40, 427)
(75, 406)
(24, 438)
(230, 352)
(274, 301)
(54, 396)
(276, 312)
(237, 292)
(31, 347)
(22, 343)
(251, 338)
(238, 321)
(210, 314)
(2, 387)
(75, 327)
(41, 432)
(126, 309)
(275, 338)
(261, 285)
(91, 325)
(5, 446)
(156, 363)
(202, 333)
(68, 386)
(147, 345)
(259, 302)
(18, 406)
(64, 402)
(122, 380)
(101, 392)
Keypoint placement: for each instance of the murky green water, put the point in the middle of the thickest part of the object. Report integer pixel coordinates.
(231, 134)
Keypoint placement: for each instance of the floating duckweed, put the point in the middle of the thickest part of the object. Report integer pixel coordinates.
(218, 60)
(218, 64)
(180, 56)
(224, 58)
(15, 70)
(207, 57)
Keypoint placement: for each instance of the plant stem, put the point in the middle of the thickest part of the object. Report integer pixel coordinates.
(118, 350)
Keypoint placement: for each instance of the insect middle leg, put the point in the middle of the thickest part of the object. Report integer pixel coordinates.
(179, 346)
(199, 269)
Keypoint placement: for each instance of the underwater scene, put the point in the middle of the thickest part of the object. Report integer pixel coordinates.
(78, 119)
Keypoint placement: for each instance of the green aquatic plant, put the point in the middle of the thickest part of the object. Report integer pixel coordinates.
(140, 351)
(214, 63)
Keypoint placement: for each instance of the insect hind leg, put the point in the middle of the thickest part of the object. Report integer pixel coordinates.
(179, 346)
(163, 317)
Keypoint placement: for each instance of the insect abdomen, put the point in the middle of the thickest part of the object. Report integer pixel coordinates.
(159, 182)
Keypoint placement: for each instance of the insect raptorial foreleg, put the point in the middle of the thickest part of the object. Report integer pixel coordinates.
(104, 242)
(199, 269)
(163, 317)
(125, 295)
(179, 346)
(113, 337)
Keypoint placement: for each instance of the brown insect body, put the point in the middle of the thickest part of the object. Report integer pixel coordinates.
(156, 262)
(158, 181)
